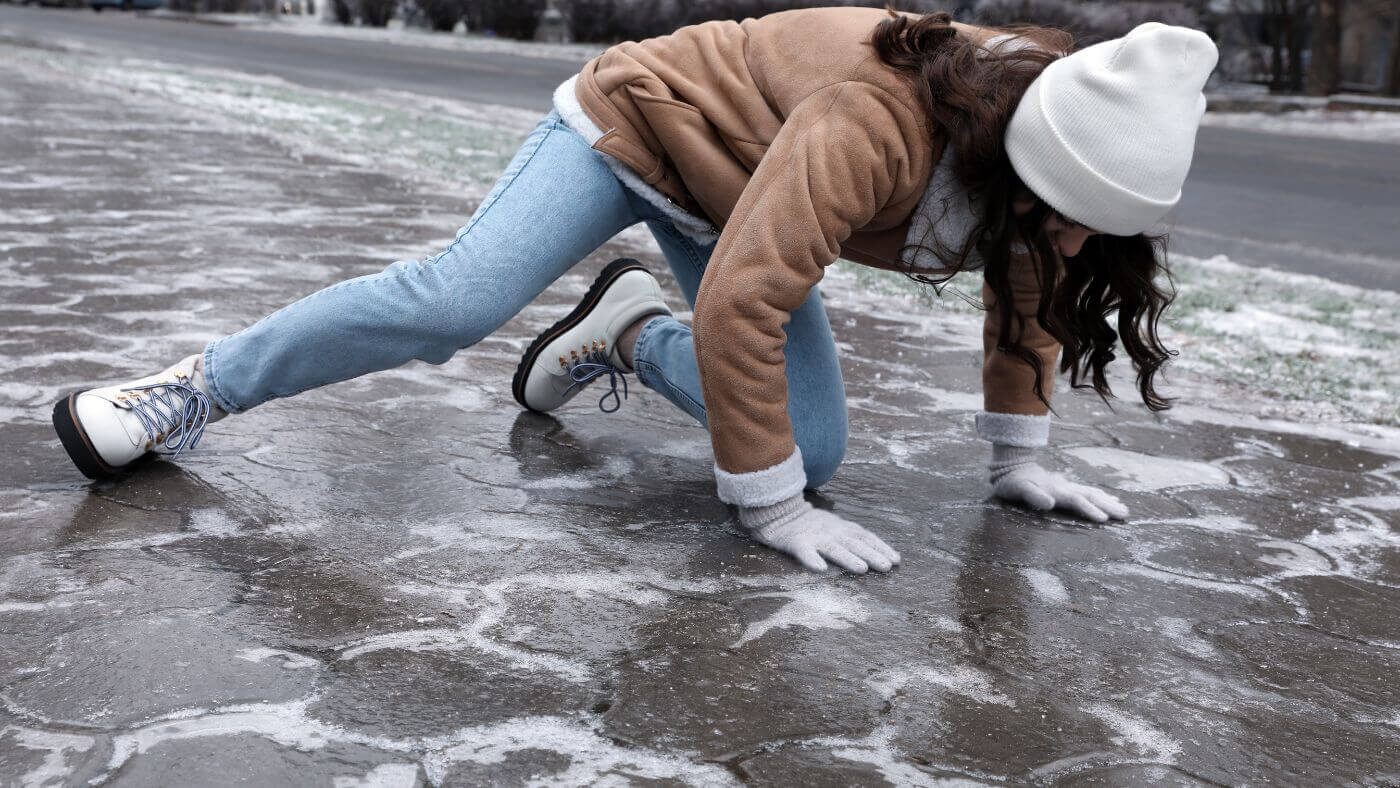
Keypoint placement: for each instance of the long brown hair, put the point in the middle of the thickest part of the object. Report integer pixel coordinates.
(970, 92)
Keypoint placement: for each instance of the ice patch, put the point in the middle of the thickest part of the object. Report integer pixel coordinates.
(593, 759)
(1180, 632)
(1353, 543)
(494, 601)
(1186, 580)
(32, 607)
(213, 522)
(54, 768)
(290, 659)
(385, 775)
(1218, 522)
(945, 400)
(945, 624)
(562, 483)
(439, 639)
(1295, 559)
(1136, 733)
(480, 533)
(1378, 503)
(1047, 585)
(960, 680)
(285, 723)
(878, 750)
(1144, 473)
(811, 607)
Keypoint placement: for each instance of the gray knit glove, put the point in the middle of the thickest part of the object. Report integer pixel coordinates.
(810, 535)
(1017, 478)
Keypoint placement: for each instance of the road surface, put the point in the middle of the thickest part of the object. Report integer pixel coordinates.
(1323, 207)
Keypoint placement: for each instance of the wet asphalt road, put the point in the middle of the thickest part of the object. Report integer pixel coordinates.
(1323, 207)
(405, 579)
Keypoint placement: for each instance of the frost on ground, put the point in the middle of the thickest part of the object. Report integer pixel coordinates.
(1285, 345)
(1364, 125)
(397, 33)
(411, 135)
(1252, 341)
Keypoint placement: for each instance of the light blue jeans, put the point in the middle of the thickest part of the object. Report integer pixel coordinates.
(555, 204)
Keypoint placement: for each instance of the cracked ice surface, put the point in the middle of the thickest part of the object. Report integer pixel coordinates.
(404, 579)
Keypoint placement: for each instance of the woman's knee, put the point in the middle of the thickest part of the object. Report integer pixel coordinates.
(822, 451)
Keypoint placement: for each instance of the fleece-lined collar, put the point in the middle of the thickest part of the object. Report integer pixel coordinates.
(942, 220)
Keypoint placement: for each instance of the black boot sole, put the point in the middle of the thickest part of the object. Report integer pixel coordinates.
(600, 285)
(76, 442)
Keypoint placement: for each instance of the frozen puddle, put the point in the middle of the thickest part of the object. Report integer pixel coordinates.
(815, 607)
(1047, 586)
(1136, 472)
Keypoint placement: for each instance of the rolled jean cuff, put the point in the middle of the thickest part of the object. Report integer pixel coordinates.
(642, 363)
(1014, 429)
(765, 487)
(211, 377)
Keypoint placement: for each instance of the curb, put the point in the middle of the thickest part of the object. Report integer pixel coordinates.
(1276, 104)
(183, 16)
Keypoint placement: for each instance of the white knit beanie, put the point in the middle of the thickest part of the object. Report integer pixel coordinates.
(1105, 134)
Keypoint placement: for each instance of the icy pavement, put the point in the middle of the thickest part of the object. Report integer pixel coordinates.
(404, 578)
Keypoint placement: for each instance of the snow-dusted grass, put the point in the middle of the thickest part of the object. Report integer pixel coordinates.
(1253, 341)
(1288, 345)
(1336, 124)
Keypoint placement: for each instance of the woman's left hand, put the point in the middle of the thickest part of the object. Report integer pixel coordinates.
(1032, 485)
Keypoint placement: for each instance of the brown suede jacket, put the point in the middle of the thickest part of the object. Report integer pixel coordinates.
(791, 135)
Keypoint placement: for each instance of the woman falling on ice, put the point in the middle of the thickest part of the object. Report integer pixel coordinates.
(757, 153)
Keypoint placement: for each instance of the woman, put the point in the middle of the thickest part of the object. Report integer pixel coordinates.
(757, 152)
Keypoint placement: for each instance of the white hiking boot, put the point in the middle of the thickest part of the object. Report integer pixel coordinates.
(583, 346)
(107, 430)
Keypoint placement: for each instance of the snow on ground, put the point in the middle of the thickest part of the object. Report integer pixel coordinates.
(1256, 342)
(397, 33)
(1337, 124)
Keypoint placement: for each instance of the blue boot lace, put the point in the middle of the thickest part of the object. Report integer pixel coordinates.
(172, 414)
(592, 364)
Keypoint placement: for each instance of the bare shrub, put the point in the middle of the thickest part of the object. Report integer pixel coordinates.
(1088, 22)
(509, 18)
(738, 10)
(443, 15)
(376, 13)
(609, 21)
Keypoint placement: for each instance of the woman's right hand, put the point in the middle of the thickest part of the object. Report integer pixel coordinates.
(814, 536)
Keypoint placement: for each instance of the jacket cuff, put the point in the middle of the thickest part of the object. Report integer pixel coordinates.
(765, 487)
(1013, 429)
